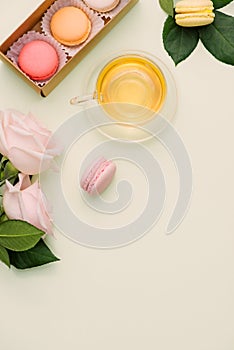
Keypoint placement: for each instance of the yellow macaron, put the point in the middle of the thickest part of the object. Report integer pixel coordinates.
(193, 13)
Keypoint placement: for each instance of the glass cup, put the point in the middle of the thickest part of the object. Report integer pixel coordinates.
(132, 88)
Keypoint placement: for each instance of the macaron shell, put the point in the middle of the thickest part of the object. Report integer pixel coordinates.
(191, 4)
(194, 9)
(194, 20)
(102, 179)
(102, 6)
(70, 26)
(90, 173)
(39, 60)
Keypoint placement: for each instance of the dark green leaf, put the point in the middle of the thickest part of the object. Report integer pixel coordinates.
(3, 217)
(4, 257)
(19, 235)
(218, 37)
(9, 171)
(13, 179)
(36, 256)
(220, 3)
(3, 163)
(167, 6)
(179, 41)
(1, 210)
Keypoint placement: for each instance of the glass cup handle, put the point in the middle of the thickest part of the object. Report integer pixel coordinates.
(86, 98)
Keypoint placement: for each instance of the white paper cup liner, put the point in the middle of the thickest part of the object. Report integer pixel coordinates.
(14, 51)
(115, 11)
(96, 22)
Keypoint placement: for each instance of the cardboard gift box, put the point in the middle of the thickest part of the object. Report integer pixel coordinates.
(33, 22)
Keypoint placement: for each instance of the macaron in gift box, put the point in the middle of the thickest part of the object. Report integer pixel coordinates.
(107, 9)
(69, 56)
(72, 24)
(38, 56)
(102, 6)
(39, 60)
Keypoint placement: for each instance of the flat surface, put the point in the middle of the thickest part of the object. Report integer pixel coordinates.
(162, 292)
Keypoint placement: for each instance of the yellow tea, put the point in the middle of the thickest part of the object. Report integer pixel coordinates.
(131, 89)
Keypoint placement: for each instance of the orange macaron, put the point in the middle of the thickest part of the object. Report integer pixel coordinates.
(70, 26)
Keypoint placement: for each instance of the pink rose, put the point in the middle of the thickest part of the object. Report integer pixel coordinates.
(25, 142)
(25, 201)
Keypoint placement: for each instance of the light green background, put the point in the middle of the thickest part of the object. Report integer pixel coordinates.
(162, 292)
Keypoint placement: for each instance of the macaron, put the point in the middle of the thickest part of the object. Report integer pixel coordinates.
(98, 176)
(102, 6)
(70, 26)
(39, 60)
(193, 13)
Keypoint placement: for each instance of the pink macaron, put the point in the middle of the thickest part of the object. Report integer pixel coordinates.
(39, 60)
(98, 176)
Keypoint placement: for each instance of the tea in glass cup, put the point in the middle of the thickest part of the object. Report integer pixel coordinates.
(131, 88)
(135, 85)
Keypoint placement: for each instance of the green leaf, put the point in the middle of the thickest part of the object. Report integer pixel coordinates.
(4, 256)
(218, 37)
(167, 6)
(221, 3)
(3, 217)
(36, 256)
(179, 41)
(10, 172)
(19, 235)
(1, 210)
(3, 163)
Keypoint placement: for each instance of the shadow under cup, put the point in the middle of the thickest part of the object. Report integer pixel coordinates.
(132, 89)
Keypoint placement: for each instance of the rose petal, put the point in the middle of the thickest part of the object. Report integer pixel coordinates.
(30, 162)
(44, 219)
(28, 204)
(27, 143)
(13, 206)
(24, 181)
